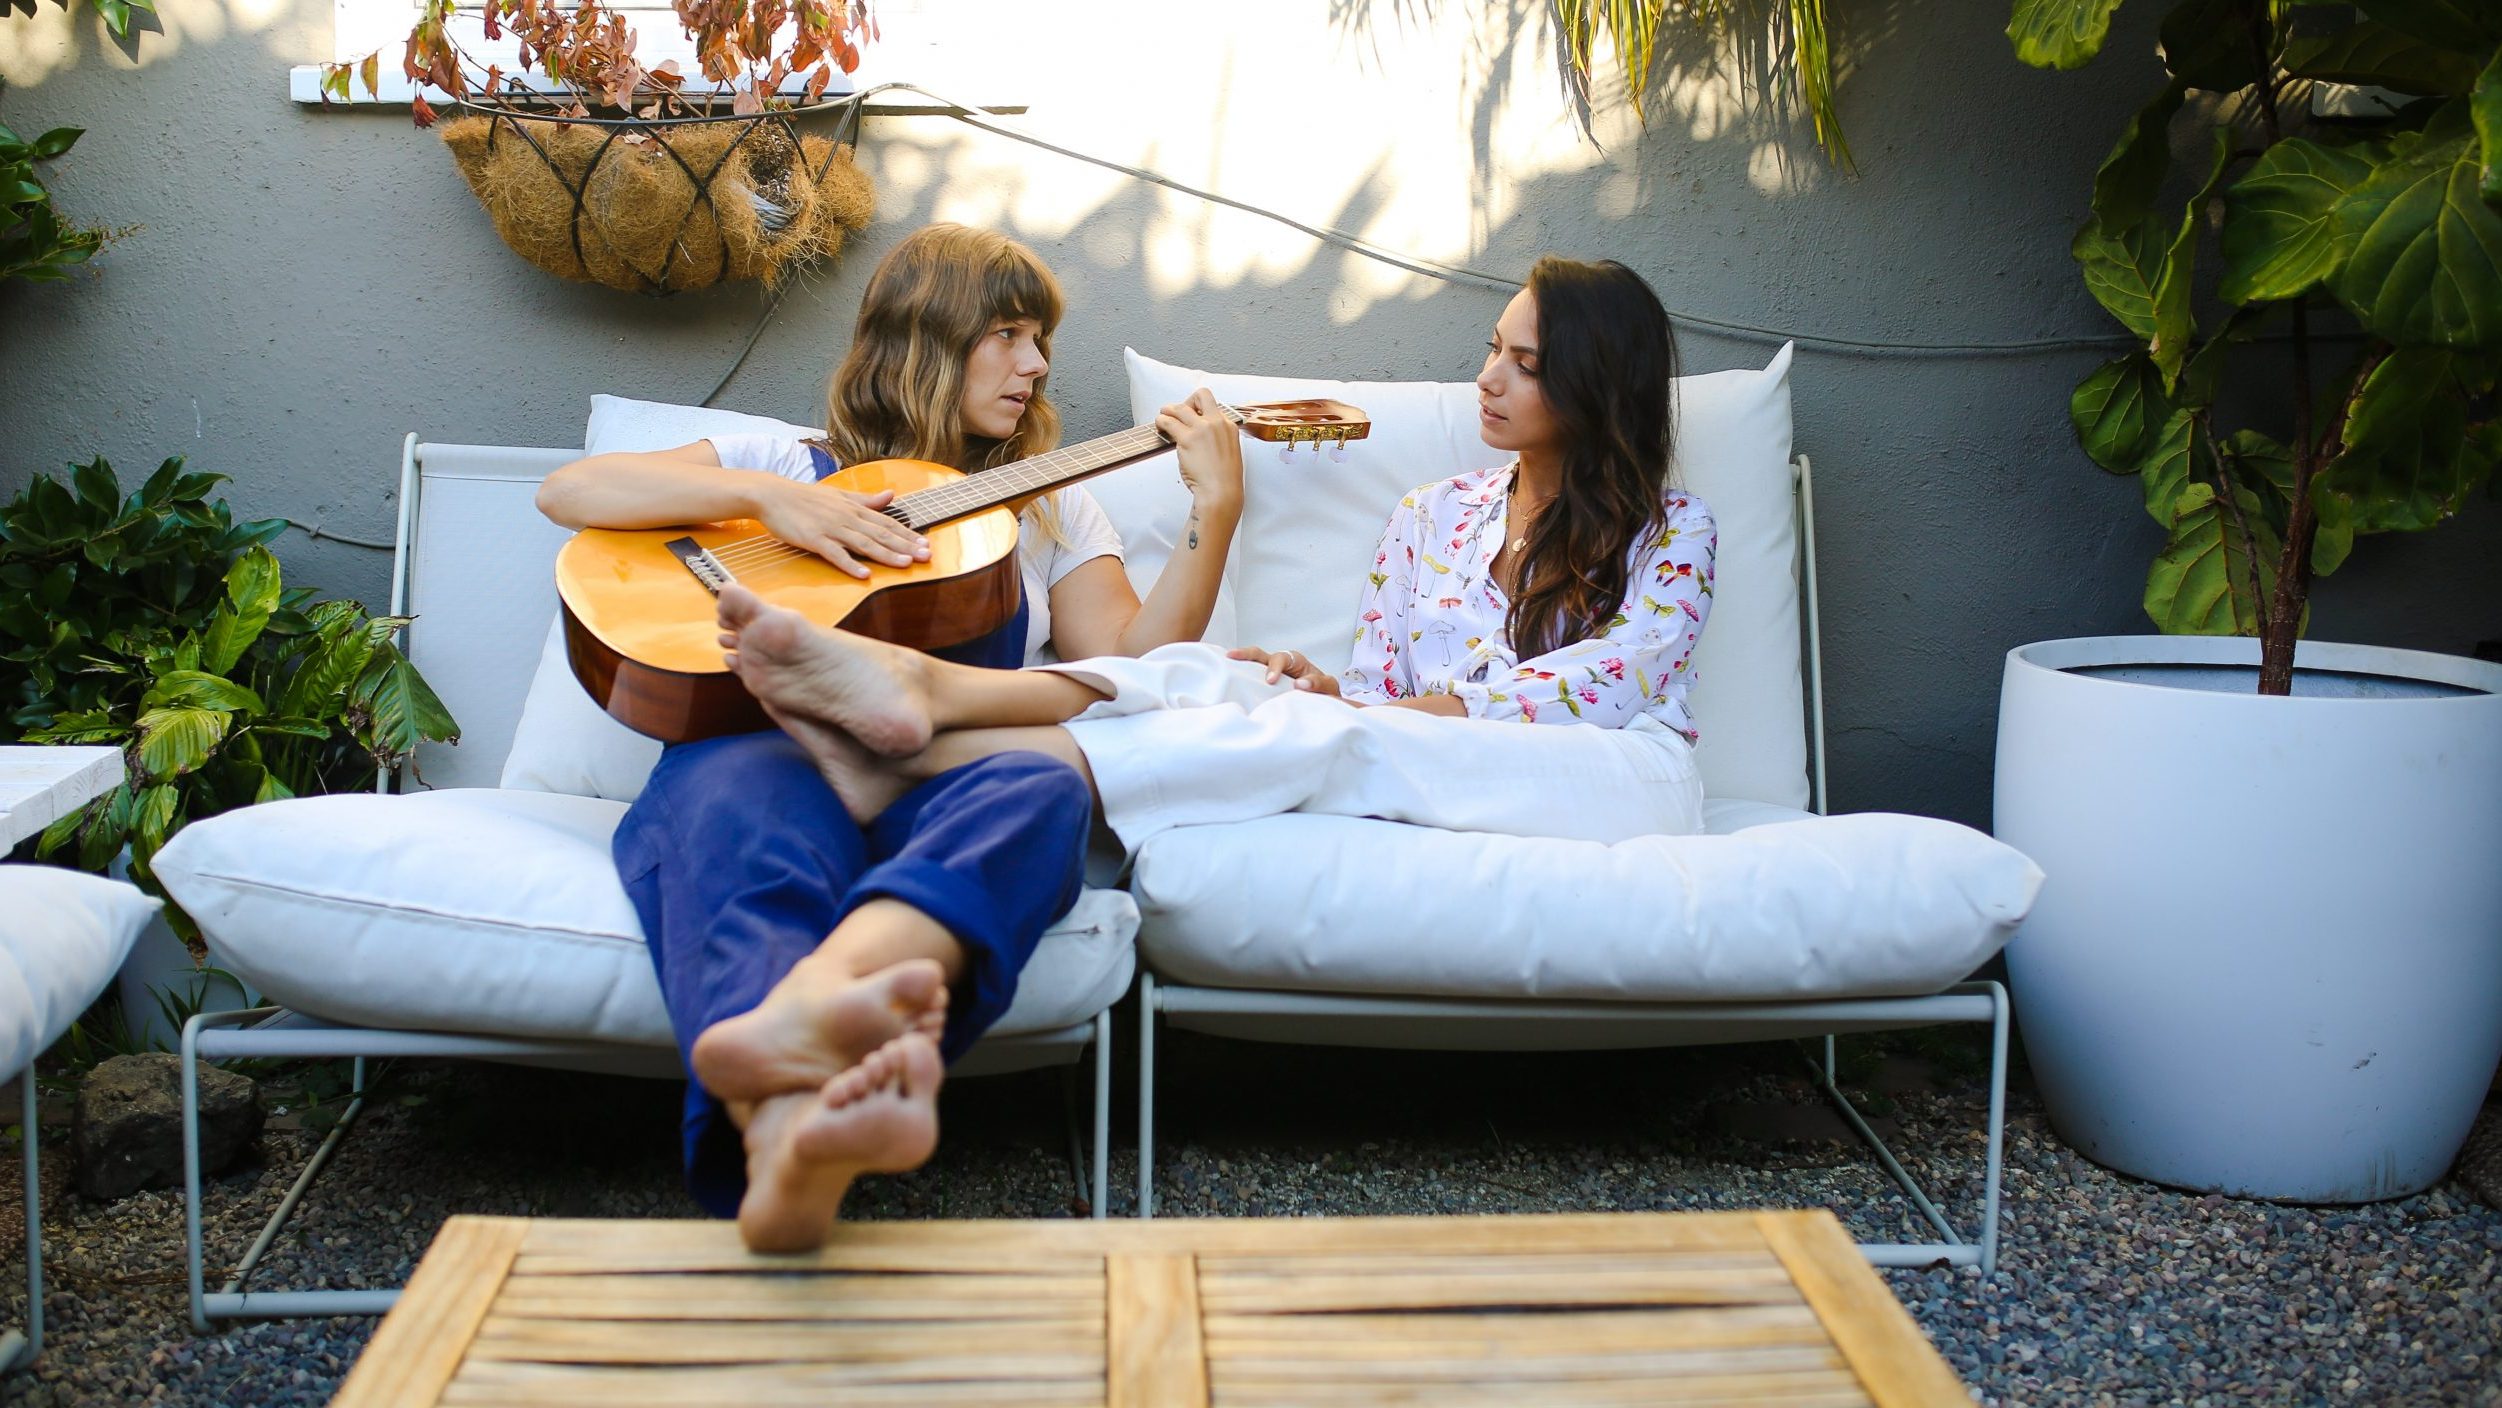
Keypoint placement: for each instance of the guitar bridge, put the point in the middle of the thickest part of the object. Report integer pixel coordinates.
(697, 559)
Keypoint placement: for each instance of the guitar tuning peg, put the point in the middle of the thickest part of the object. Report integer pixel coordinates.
(1337, 452)
(1285, 453)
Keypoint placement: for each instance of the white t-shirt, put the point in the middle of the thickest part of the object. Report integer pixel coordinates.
(1040, 562)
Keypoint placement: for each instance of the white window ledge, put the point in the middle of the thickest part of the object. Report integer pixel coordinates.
(972, 52)
(397, 90)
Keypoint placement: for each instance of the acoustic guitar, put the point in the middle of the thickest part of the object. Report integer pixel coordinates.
(640, 628)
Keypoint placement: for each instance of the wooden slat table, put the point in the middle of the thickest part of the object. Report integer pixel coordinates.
(1632, 1308)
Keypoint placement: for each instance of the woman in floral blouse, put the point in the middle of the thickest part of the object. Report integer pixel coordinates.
(1567, 588)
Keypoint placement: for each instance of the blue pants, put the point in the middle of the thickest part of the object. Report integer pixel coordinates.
(739, 858)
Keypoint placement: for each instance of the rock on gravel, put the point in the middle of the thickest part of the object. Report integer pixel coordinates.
(127, 1132)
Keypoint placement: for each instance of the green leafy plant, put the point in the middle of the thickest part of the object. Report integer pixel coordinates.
(2377, 233)
(157, 623)
(36, 244)
(117, 14)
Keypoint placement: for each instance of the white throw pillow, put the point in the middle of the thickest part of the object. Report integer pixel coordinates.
(490, 910)
(564, 742)
(621, 424)
(63, 936)
(1866, 905)
(1311, 522)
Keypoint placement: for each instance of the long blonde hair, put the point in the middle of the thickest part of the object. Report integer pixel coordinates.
(899, 392)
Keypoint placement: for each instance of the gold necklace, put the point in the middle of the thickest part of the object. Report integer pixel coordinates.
(1511, 511)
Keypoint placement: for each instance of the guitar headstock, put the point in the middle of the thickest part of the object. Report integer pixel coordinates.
(1301, 422)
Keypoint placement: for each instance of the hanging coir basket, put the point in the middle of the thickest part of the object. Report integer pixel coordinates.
(660, 205)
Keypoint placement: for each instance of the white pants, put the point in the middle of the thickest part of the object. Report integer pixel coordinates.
(1190, 738)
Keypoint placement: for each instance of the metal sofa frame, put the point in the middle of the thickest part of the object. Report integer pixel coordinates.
(1518, 1025)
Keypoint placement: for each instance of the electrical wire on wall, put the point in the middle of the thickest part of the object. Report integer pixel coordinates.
(1458, 275)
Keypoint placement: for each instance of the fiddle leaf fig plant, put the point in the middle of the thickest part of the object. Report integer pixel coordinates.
(2348, 193)
(158, 624)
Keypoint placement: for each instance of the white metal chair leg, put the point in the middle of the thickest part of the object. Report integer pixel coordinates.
(1103, 1114)
(1952, 1248)
(1094, 1186)
(1997, 1125)
(18, 1348)
(1146, 1095)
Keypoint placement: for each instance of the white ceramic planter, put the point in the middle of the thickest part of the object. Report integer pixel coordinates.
(2267, 959)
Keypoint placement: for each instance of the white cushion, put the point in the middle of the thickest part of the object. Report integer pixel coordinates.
(621, 424)
(1310, 524)
(63, 935)
(564, 742)
(498, 911)
(1866, 905)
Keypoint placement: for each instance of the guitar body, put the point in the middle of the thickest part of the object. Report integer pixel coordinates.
(641, 632)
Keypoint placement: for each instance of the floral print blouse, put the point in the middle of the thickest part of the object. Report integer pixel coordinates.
(1432, 618)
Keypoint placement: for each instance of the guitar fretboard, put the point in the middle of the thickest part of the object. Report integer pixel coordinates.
(1026, 478)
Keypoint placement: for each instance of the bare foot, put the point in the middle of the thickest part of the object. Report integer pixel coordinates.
(877, 693)
(859, 777)
(816, 1023)
(805, 1150)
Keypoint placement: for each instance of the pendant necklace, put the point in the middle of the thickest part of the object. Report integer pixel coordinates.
(1520, 543)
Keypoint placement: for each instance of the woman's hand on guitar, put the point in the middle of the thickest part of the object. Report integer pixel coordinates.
(1289, 664)
(1210, 450)
(842, 527)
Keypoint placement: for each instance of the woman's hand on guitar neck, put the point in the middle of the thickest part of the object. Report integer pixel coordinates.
(844, 528)
(1209, 446)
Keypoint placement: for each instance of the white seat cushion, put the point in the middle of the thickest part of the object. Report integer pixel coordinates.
(498, 911)
(63, 935)
(1867, 905)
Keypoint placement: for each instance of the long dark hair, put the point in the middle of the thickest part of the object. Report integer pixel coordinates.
(1606, 361)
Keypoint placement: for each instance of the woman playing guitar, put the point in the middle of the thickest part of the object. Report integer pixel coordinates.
(800, 952)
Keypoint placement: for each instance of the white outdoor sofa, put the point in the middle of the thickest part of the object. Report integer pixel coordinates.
(482, 918)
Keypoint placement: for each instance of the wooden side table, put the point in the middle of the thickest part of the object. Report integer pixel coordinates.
(1759, 1308)
(41, 783)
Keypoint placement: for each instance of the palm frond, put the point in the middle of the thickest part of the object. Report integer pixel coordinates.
(1632, 29)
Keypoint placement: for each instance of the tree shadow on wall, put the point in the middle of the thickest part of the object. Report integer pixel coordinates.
(1703, 56)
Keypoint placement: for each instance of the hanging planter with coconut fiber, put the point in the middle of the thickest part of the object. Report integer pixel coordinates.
(672, 192)
(660, 205)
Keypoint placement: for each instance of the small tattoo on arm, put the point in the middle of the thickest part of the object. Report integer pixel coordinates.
(1194, 528)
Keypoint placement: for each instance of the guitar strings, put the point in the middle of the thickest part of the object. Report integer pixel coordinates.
(961, 497)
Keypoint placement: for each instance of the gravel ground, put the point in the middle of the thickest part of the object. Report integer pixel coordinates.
(2109, 1290)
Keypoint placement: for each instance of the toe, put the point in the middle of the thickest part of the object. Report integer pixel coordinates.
(737, 607)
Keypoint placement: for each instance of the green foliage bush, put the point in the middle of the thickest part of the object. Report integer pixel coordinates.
(159, 624)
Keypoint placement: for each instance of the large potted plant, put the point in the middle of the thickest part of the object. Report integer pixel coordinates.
(2268, 959)
(156, 623)
(594, 166)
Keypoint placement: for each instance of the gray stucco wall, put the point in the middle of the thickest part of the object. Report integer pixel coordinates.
(310, 286)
